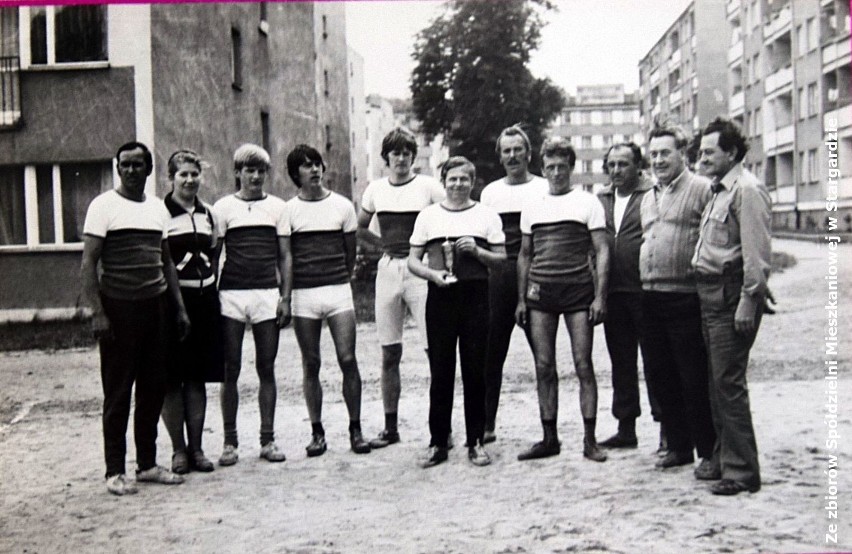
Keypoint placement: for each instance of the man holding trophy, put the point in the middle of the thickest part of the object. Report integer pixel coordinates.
(463, 239)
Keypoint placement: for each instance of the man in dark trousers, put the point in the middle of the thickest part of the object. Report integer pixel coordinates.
(621, 200)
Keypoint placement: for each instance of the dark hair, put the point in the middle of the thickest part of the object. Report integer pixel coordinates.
(669, 130)
(146, 153)
(638, 158)
(559, 146)
(300, 155)
(453, 163)
(513, 131)
(730, 136)
(398, 139)
(180, 157)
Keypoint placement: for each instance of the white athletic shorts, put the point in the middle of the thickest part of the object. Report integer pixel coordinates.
(249, 305)
(322, 302)
(397, 289)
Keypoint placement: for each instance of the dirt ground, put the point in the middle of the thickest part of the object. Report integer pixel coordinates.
(53, 499)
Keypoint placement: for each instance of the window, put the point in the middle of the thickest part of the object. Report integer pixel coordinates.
(264, 131)
(803, 168)
(630, 116)
(65, 34)
(325, 81)
(324, 27)
(585, 118)
(606, 117)
(803, 104)
(813, 103)
(596, 117)
(263, 25)
(758, 122)
(755, 64)
(587, 166)
(607, 140)
(586, 142)
(813, 34)
(328, 137)
(813, 167)
(46, 204)
(236, 59)
(10, 65)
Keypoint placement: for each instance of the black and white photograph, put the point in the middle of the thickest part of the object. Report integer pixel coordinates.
(425, 276)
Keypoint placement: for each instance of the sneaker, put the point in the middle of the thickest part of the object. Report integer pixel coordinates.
(180, 462)
(229, 456)
(385, 438)
(317, 446)
(358, 444)
(119, 485)
(540, 450)
(592, 452)
(270, 452)
(489, 437)
(434, 456)
(199, 462)
(159, 475)
(478, 456)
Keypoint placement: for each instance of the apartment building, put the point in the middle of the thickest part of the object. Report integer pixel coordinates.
(357, 126)
(789, 78)
(77, 81)
(683, 77)
(594, 119)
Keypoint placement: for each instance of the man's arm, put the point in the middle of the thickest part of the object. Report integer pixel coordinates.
(754, 219)
(491, 256)
(349, 251)
(173, 289)
(285, 285)
(364, 232)
(523, 275)
(417, 267)
(600, 242)
(92, 248)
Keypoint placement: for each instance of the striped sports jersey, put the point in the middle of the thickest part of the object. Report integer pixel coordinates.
(509, 201)
(133, 233)
(436, 224)
(191, 243)
(317, 229)
(250, 229)
(561, 227)
(397, 206)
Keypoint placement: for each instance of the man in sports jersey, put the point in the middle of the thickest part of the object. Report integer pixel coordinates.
(396, 200)
(253, 288)
(125, 233)
(321, 234)
(507, 196)
(555, 278)
(623, 163)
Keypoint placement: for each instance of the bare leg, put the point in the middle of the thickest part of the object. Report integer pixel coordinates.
(308, 337)
(266, 348)
(195, 408)
(342, 327)
(543, 327)
(391, 385)
(233, 332)
(582, 333)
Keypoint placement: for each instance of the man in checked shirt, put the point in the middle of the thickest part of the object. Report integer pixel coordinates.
(731, 262)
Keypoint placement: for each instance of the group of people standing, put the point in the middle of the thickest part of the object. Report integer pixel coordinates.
(671, 263)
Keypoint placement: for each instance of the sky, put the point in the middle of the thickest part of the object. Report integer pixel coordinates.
(585, 42)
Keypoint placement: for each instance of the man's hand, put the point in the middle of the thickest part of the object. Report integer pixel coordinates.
(282, 313)
(744, 317)
(521, 314)
(183, 325)
(101, 328)
(597, 311)
(466, 246)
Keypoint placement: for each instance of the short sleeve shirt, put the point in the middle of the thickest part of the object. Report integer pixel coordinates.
(133, 233)
(509, 201)
(437, 224)
(250, 229)
(396, 206)
(317, 230)
(561, 226)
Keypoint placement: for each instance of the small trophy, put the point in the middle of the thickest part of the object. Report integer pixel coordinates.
(449, 260)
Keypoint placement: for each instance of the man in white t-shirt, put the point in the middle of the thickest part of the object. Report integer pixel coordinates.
(507, 196)
(396, 201)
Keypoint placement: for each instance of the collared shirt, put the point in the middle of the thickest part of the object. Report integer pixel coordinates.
(671, 216)
(735, 231)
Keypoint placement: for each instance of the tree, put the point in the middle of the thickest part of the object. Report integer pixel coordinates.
(471, 78)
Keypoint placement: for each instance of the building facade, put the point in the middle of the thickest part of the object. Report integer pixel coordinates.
(357, 126)
(595, 119)
(789, 78)
(683, 77)
(77, 81)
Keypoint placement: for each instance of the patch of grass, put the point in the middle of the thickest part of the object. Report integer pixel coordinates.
(45, 335)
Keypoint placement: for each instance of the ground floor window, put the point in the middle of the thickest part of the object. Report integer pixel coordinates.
(46, 203)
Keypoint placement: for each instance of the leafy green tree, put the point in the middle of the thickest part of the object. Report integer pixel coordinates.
(472, 79)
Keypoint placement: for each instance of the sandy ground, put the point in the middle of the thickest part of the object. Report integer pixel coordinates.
(53, 499)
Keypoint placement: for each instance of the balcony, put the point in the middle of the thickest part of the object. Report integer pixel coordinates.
(844, 187)
(675, 97)
(784, 194)
(10, 92)
(836, 54)
(778, 80)
(842, 116)
(779, 25)
(655, 77)
(674, 60)
(736, 103)
(733, 8)
(778, 139)
(735, 53)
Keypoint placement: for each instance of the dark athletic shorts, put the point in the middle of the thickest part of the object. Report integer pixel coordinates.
(560, 298)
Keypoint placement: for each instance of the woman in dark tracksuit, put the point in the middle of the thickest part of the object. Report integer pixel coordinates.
(463, 238)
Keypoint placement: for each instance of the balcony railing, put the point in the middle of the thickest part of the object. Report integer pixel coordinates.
(10, 92)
